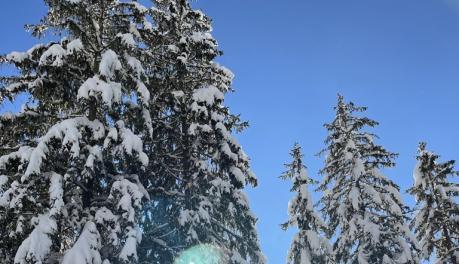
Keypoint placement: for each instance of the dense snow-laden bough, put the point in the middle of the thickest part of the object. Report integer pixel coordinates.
(123, 150)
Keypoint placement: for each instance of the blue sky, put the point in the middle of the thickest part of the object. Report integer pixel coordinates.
(398, 57)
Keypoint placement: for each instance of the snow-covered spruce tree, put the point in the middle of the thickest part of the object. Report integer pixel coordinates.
(72, 161)
(363, 208)
(199, 195)
(309, 245)
(436, 222)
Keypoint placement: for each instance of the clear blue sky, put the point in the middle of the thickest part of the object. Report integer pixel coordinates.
(398, 57)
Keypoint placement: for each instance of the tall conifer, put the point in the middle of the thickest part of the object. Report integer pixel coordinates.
(436, 222)
(309, 246)
(363, 207)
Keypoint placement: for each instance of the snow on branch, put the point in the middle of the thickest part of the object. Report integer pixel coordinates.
(35, 248)
(23, 154)
(69, 132)
(129, 141)
(53, 56)
(208, 94)
(109, 64)
(109, 91)
(86, 248)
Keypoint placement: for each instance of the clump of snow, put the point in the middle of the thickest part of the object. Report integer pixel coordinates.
(201, 36)
(132, 142)
(129, 250)
(143, 91)
(109, 64)
(23, 154)
(129, 196)
(68, 132)
(56, 53)
(95, 154)
(208, 95)
(222, 128)
(418, 176)
(228, 73)
(104, 215)
(225, 148)
(86, 248)
(74, 46)
(56, 194)
(135, 65)
(127, 39)
(237, 173)
(17, 57)
(36, 247)
(106, 218)
(12, 197)
(3, 181)
(110, 92)
(148, 122)
(354, 197)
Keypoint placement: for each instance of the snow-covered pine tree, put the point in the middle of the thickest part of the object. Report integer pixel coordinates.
(72, 161)
(309, 246)
(199, 195)
(436, 222)
(363, 208)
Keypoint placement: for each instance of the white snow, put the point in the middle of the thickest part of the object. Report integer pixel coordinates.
(201, 36)
(132, 142)
(135, 65)
(86, 248)
(305, 196)
(110, 92)
(23, 154)
(109, 64)
(3, 181)
(110, 222)
(56, 194)
(130, 245)
(104, 215)
(74, 46)
(354, 197)
(127, 39)
(148, 122)
(225, 148)
(237, 173)
(56, 53)
(418, 176)
(95, 154)
(37, 245)
(208, 95)
(225, 133)
(143, 91)
(184, 217)
(68, 132)
(16, 56)
(358, 169)
(12, 197)
(370, 190)
(128, 196)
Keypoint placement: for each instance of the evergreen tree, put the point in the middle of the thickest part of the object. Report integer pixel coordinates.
(198, 195)
(363, 207)
(72, 161)
(308, 246)
(436, 222)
